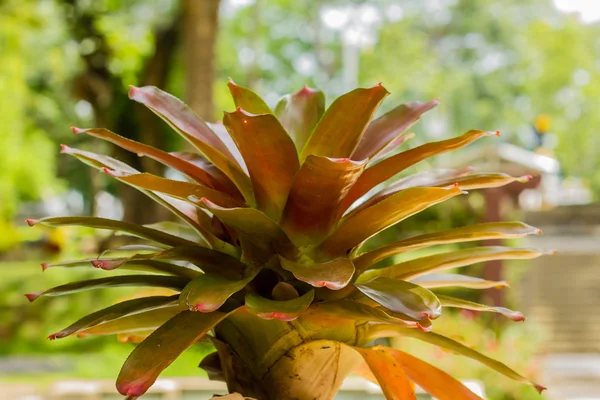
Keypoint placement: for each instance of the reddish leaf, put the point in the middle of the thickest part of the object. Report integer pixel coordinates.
(161, 348)
(338, 132)
(393, 165)
(141, 323)
(269, 154)
(247, 100)
(434, 281)
(354, 229)
(300, 112)
(208, 292)
(318, 190)
(449, 301)
(385, 129)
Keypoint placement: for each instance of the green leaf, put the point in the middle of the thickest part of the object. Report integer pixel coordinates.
(393, 165)
(433, 380)
(161, 348)
(403, 297)
(260, 236)
(449, 301)
(338, 132)
(318, 189)
(286, 310)
(247, 99)
(299, 113)
(179, 189)
(210, 291)
(477, 232)
(356, 228)
(385, 129)
(434, 281)
(269, 154)
(98, 161)
(454, 259)
(449, 344)
(141, 322)
(334, 274)
(119, 310)
(390, 375)
(329, 311)
(169, 282)
(110, 224)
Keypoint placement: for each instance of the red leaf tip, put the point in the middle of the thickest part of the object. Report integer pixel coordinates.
(539, 232)
(64, 148)
(424, 328)
(497, 133)
(45, 266)
(436, 100)
(133, 91)
(53, 336)
(539, 388)
(31, 222)
(32, 296)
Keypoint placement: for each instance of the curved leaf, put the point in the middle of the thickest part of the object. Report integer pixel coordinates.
(385, 152)
(318, 189)
(482, 181)
(169, 282)
(449, 301)
(433, 380)
(338, 132)
(355, 229)
(449, 344)
(119, 310)
(434, 281)
(382, 131)
(98, 161)
(133, 325)
(178, 189)
(208, 292)
(403, 297)
(114, 225)
(395, 164)
(161, 348)
(334, 274)
(477, 232)
(299, 113)
(286, 310)
(269, 154)
(455, 259)
(390, 375)
(247, 99)
(146, 266)
(192, 171)
(259, 235)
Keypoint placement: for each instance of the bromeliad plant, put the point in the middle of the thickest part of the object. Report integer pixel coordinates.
(268, 266)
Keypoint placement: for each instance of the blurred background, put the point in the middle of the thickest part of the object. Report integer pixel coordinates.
(529, 68)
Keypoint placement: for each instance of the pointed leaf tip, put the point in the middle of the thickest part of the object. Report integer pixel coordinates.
(133, 91)
(108, 264)
(76, 130)
(497, 133)
(32, 296)
(31, 222)
(424, 328)
(64, 148)
(45, 266)
(539, 388)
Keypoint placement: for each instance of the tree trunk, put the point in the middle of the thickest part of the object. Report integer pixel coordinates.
(200, 21)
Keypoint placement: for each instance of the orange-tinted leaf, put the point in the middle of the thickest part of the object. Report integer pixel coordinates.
(449, 301)
(433, 380)
(434, 281)
(392, 146)
(98, 161)
(142, 322)
(210, 291)
(161, 348)
(110, 224)
(284, 310)
(485, 231)
(393, 165)
(247, 99)
(482, 181)
(390, 375)
(169, 282)
(382, 131)
(318, 189)
(222, 133)
(334, 274)
(299, 113)
(402, 297)
(454, 259)
(338, 132)
(145, 265)
(178, 189)
(259, 235)
(356, 228)
(119, 310)
(192, 171)
(269, 154)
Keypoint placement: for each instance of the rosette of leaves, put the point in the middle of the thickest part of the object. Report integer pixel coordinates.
(266, 262)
